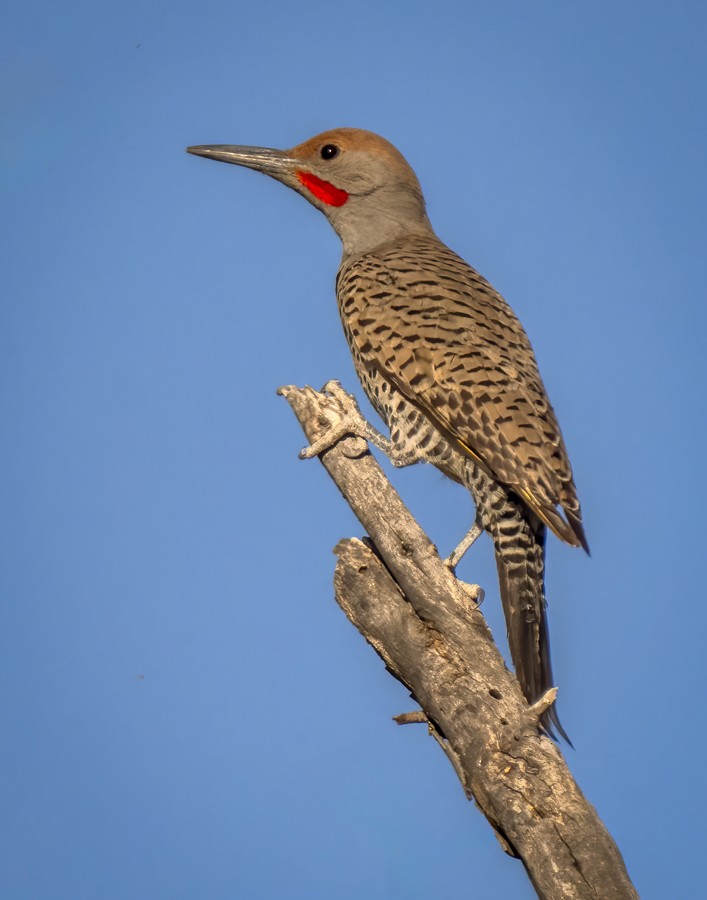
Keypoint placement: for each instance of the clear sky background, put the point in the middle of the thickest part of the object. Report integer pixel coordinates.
(186, 713)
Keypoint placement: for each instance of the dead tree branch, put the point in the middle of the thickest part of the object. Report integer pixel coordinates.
(424, 624)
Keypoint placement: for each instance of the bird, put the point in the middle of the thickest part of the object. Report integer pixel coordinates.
(447, 366)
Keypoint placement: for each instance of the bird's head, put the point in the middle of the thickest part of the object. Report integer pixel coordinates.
(361, 183)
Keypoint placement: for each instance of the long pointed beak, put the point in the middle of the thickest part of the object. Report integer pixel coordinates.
(271, 162)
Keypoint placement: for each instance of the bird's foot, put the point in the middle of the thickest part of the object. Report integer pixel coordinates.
(342, 418)
(474, 592)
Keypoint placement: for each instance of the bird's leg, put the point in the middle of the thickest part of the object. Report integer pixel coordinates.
(354, 418)
(472, 534)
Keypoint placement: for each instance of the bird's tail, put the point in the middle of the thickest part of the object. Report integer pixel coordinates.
(519, 543)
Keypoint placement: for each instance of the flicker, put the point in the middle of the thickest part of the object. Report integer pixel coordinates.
(447, 366)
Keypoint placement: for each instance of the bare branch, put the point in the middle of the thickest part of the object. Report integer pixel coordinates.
(426, 627)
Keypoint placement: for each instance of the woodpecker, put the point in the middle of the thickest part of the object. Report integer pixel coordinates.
(447, 366)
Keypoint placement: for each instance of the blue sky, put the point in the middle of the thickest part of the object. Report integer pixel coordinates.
(186, 711)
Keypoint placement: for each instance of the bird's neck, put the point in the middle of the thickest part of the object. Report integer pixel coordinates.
(370, 221)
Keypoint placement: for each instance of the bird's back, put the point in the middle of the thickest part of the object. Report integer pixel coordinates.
(434, 343)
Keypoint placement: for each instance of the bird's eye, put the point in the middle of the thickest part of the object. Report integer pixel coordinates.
(329, 151)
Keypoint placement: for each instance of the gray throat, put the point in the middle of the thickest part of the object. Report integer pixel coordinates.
(369, 220)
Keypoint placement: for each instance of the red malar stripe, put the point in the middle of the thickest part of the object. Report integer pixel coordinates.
(322, 190)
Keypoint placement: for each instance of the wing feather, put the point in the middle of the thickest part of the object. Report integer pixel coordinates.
(443, 337)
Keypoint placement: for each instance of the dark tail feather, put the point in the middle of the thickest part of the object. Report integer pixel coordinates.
(520, 560)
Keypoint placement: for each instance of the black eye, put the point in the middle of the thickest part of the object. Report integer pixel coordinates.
(329, 151)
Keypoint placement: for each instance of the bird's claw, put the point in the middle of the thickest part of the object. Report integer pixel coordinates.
(474, 592)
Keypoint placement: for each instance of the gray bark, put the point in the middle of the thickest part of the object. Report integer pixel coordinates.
(423, 622)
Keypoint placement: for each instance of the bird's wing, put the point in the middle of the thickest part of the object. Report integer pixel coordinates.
(444, 338)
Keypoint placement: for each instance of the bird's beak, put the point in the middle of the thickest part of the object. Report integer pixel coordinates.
(276, 163)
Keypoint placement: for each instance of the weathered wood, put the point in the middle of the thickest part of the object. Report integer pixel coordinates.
(424, 624)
